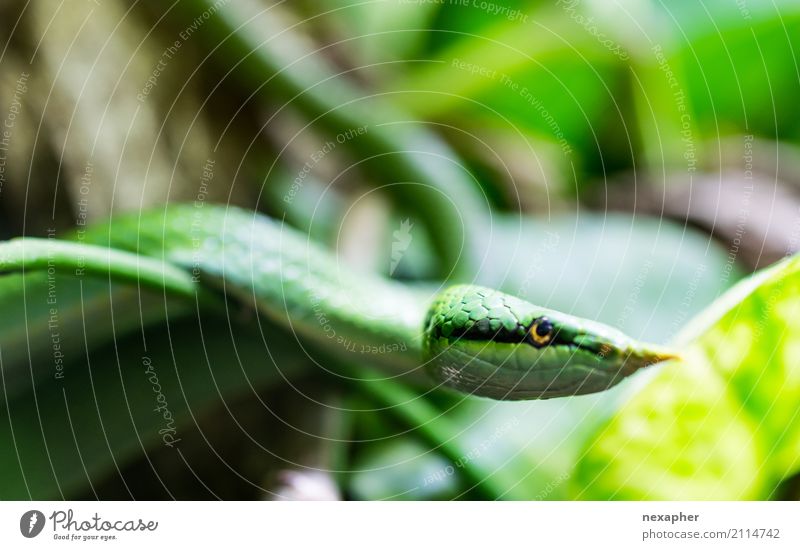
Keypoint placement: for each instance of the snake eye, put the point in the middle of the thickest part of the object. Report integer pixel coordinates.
(541, 331)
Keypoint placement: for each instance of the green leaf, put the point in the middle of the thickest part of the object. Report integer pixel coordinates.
(77, 400)
(559, 88)
(70, 434)
(722, 424)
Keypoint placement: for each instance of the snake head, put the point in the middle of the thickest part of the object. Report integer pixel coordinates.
(491, 344)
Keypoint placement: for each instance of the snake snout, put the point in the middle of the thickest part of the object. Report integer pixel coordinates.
(642, 358)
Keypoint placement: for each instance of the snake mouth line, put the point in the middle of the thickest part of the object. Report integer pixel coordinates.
(557, 342)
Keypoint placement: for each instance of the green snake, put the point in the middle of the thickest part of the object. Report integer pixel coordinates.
(470, 338)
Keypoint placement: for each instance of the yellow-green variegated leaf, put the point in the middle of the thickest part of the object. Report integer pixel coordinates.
(724, 423)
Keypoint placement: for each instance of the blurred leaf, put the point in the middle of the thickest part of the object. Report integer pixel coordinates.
(643, 275)
(751, 337)
(403, 468)
(683, 437)
(746, 78)
(79, 399)
(457, 20)
(737, 63)
(66, 434)
(555, 86)
(42, 327)
(376, 32)
(724, 423)
(48, 287)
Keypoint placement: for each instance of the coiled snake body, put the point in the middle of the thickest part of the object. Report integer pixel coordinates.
(470, 338)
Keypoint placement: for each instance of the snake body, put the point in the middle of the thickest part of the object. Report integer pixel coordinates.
(473, 339)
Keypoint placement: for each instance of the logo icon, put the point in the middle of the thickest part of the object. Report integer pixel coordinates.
(401, 242)
(31, 523)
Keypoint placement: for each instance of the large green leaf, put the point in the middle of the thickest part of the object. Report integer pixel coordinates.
(77, 399)
(724, 423)
(68, 435)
